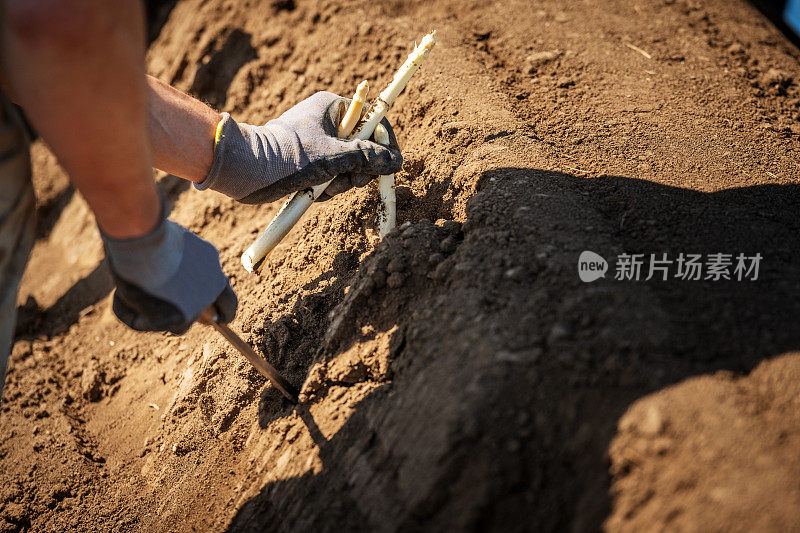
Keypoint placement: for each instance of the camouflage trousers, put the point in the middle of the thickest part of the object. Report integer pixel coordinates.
(17, 222)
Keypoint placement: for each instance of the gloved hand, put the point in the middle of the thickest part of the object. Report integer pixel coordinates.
(165, 279)
(299, 149)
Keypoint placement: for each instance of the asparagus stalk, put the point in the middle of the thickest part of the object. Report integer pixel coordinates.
(296, 205)
(353, 114)
(388, 214)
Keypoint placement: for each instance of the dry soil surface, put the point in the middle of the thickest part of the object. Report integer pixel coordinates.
(457, 375)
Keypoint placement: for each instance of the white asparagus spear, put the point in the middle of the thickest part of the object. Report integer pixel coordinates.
(296, 205)
(353, 114)
(388, 215)
(292, 210)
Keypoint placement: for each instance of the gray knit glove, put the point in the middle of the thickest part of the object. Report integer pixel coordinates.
(165, 279)
(299, 149)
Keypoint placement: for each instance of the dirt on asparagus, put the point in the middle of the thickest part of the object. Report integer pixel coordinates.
(457, 375)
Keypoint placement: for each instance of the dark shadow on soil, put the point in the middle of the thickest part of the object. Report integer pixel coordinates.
(291, 343)
(33, 322)
(156, 13)
(213, 77)
(48, 214)
(173, 187)
(344, 262)
(529, 422)
(341, 510)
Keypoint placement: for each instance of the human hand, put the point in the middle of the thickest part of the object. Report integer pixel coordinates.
(165, 279)
(299, 149)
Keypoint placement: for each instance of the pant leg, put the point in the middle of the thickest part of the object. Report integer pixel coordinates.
(17, 222)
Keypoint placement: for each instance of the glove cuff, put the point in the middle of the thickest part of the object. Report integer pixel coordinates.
(249, 158)
(226, 137)
(150, 260)
(240, 157)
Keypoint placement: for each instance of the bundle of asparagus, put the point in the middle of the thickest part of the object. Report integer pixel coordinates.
(353, 126)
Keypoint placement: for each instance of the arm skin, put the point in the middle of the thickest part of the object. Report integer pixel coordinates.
(77, 68)
(181, 132)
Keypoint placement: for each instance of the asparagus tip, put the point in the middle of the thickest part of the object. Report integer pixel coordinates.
(361, 91)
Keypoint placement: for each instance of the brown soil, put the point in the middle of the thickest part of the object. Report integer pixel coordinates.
(458, 375)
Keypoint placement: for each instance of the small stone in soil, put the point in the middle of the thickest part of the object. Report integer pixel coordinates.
(448, 245)
(435, 258)
(379, 277)
(395, 280)
(776, 77)
(91, 383)
(396, 265)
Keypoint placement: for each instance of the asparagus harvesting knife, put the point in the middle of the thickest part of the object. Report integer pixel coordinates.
(299, 202)
(210, 318)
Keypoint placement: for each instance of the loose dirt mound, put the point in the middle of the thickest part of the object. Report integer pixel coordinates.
(457, 375)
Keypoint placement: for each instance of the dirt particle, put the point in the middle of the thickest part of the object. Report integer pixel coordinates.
(292, 434)
(367, 286)
(776, 77)
(652, 422)
(61, 491)
(660, 445)
(337, 393)
(397, 264)
(314, 381)
(92, 383)
(441, 271)
(514, 273)
(558, 332)
(9, 494)
(206, 403)
(395, 280)
(564, 82)
(409, 232)
(538, 59)
(379, 278)
(736, 49)
(452, 227)
(448, 245)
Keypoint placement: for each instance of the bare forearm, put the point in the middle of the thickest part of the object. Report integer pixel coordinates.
(77, 68)
(181, 131)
